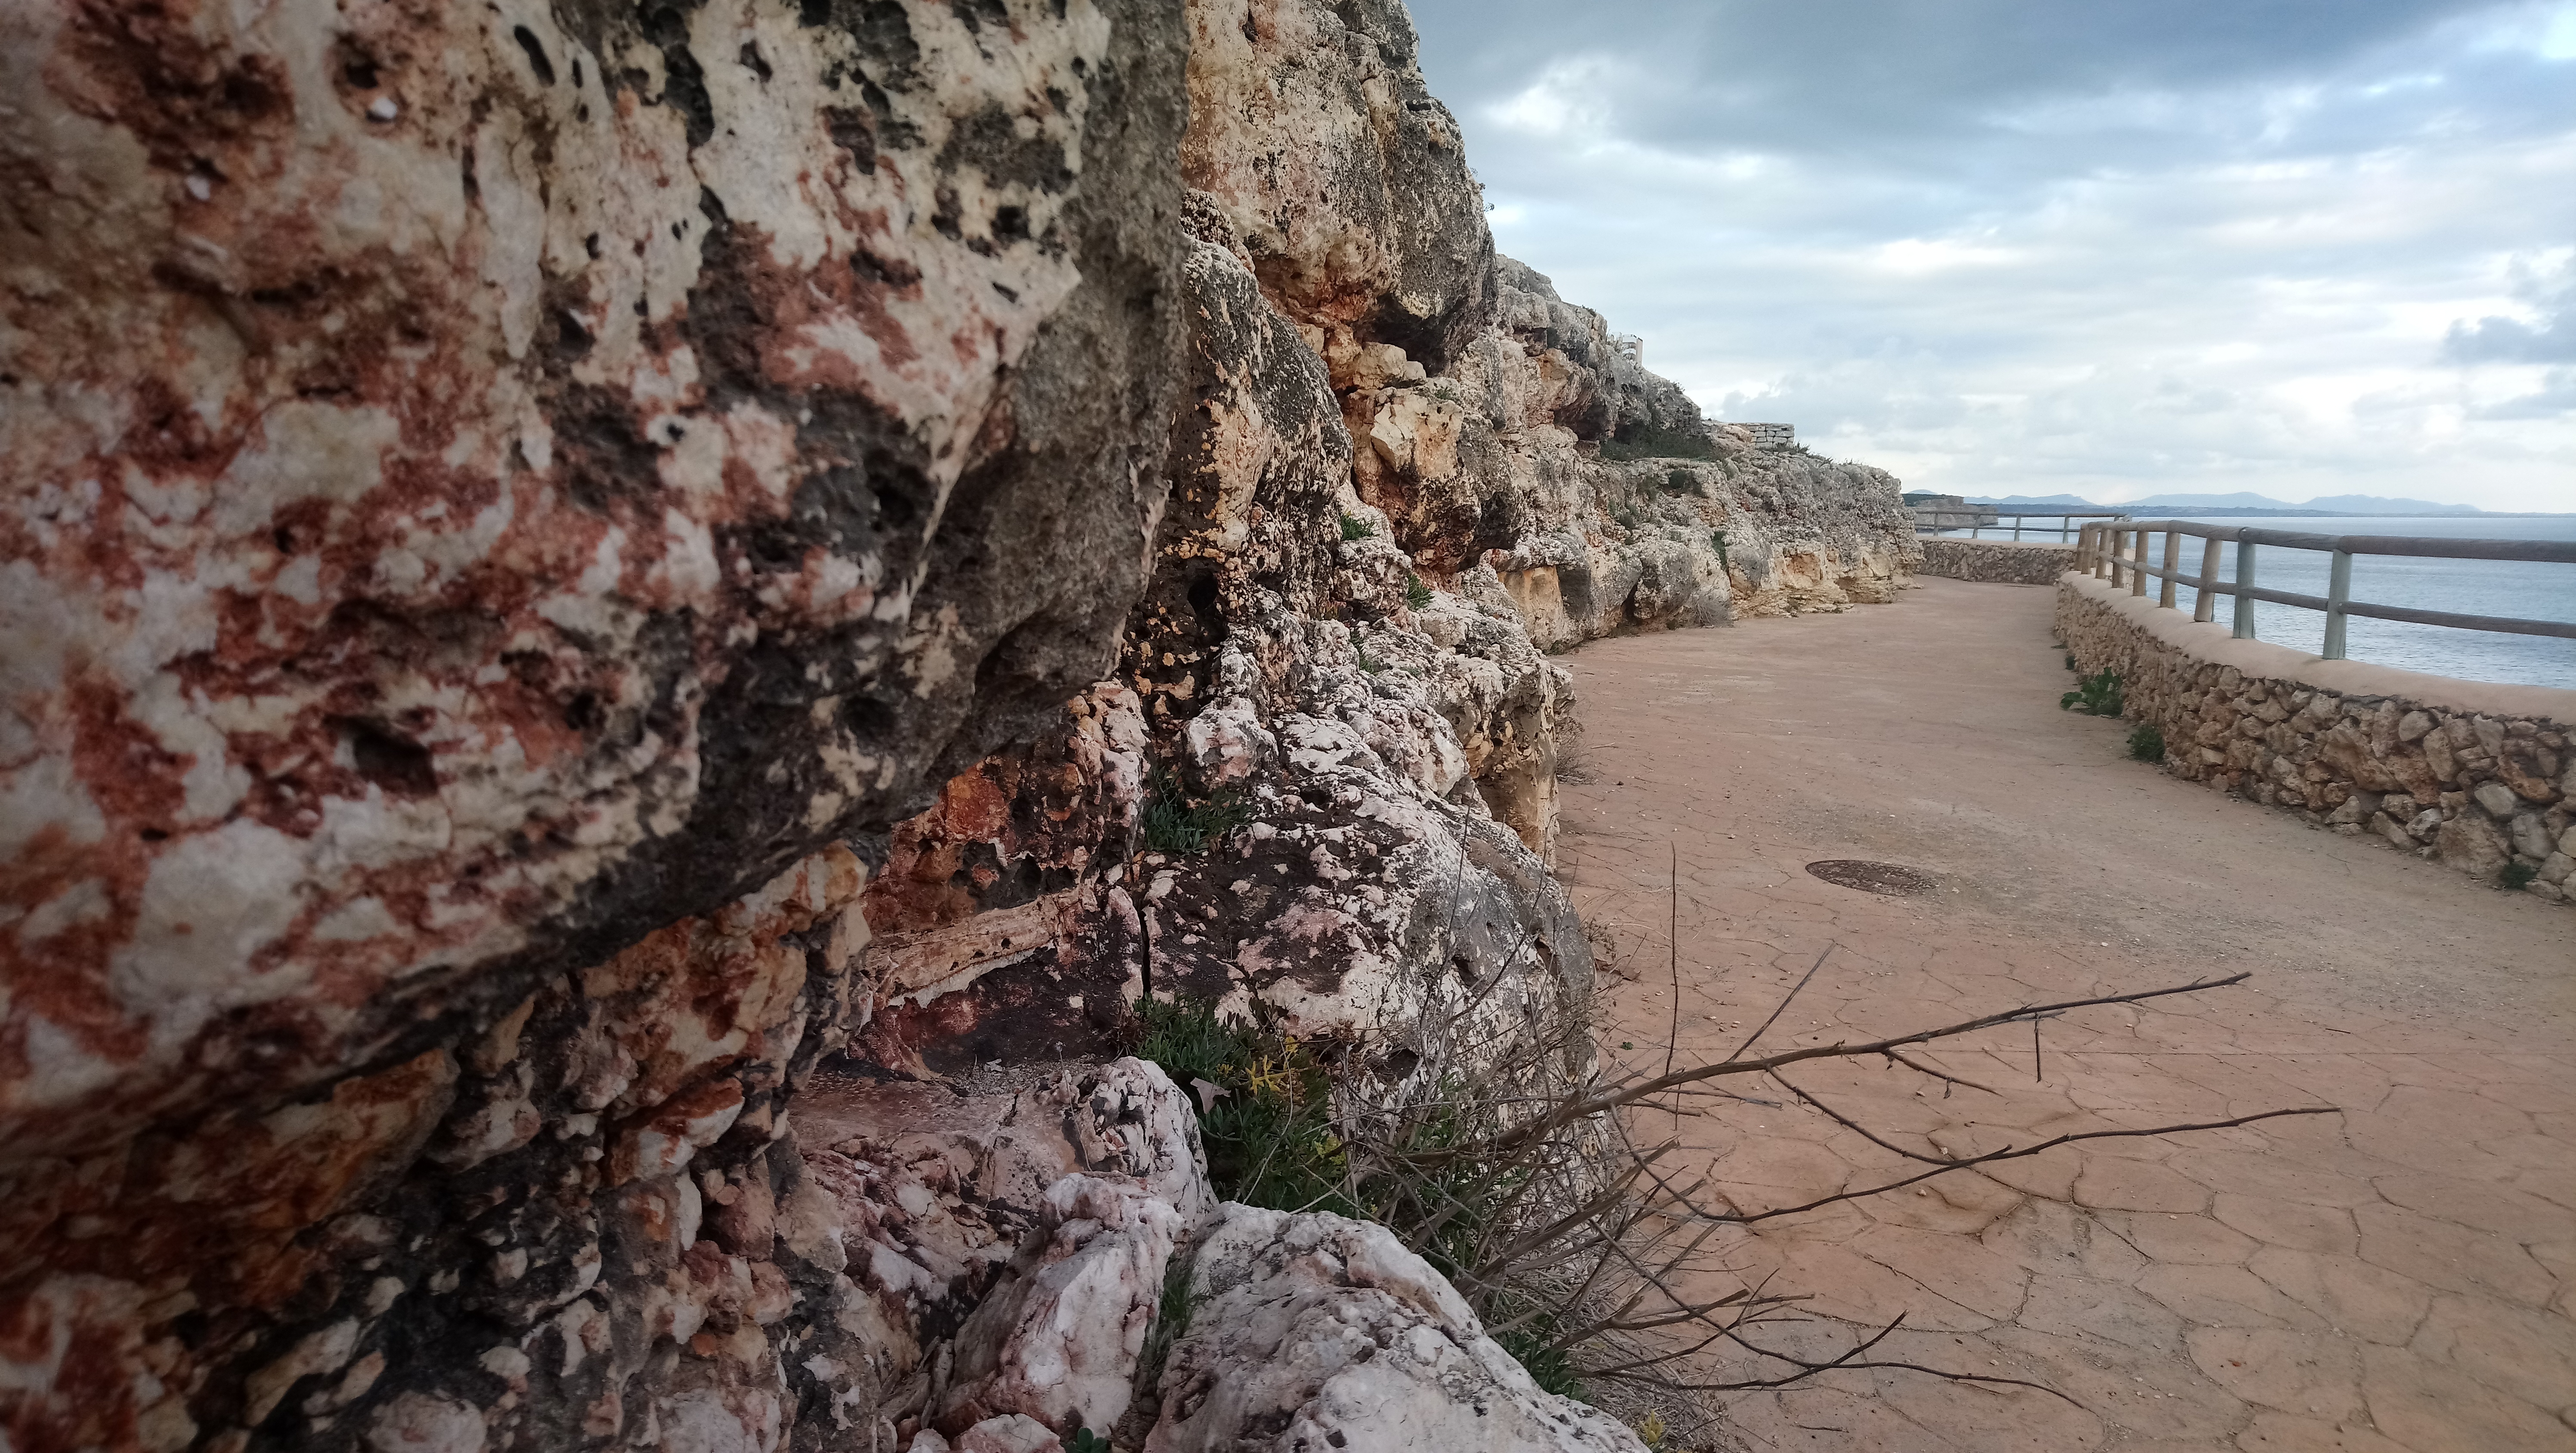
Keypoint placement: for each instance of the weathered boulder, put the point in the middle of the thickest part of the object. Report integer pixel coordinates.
(1312, 1331)
(487, 491)
(1059, 1339)
(484, 485)
(1366, 226)
(587, 1222)
(1008, 1234)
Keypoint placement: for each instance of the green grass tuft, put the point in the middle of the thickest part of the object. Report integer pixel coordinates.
(1176, 825)
(1416, 594)
(1269, 1135)
(2095, 695)
(1355, 528)
(2147, 742)
(2517, 876)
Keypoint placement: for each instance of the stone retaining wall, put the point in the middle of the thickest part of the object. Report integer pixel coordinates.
(2007, 562)
(2467, 773)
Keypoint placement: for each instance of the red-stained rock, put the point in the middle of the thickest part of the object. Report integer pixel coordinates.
(482, 486)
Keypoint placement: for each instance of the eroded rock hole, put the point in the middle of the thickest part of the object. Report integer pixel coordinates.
(395, 763)
(536, 51)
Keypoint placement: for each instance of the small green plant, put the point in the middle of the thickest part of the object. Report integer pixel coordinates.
(1627, 515)
(2070, 662)
(1087, 1441)
(2516, 876)
(1682, 481)
(1416, 594)
(1176, 825)
(2095, 695)
(2147, 742)
(1355, 528)
(1373, 668)
(1171, 1320)
(1533, 1344)
(1266, 1117)
(1717, 541)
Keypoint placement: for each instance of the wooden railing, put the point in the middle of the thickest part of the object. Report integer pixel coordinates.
(2119, 551)
(1932, 520)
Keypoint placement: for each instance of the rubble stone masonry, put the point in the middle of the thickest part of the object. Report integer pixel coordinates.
(2471, 774)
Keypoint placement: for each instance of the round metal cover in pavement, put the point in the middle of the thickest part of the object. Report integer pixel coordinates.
(1871, 877)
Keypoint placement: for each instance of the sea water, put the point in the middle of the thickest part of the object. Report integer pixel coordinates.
(2526, 590)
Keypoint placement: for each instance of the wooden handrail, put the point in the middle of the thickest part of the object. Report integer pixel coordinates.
(2101, 550)
(2555, 552)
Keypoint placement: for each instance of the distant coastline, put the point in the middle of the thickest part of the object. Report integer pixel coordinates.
(2275, 509)
(2144, 510)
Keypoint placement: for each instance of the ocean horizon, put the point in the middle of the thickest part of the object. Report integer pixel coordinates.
(2529, 590)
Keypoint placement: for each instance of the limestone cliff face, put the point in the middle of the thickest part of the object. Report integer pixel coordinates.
(569, 570)
(495, 497)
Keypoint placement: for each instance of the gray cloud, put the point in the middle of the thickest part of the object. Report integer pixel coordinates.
(2511, 340)
(2035, 246)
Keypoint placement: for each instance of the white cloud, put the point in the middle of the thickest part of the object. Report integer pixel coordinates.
(2335, 265)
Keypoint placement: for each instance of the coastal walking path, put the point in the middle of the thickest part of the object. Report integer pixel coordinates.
(2398, 1276)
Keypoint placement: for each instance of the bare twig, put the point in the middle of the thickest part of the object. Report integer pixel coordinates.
(1924, 1069)
(2008, 1153)
(1628, 1093)
(1673, 951)
(1783, 1008)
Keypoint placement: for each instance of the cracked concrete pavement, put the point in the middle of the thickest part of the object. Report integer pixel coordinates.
(2399, 1277)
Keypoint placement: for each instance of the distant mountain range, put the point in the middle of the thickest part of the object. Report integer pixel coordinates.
(2246, 502)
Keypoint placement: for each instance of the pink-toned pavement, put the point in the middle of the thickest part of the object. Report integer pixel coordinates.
(2400, 1275)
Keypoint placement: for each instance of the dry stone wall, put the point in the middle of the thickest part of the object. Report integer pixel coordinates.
(2002, 562)
(2475, 777)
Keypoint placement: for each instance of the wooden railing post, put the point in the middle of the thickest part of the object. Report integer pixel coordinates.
(2205, 608)
(2244, 583)
(2140, 552)
(2173, 553)
(2338, 592)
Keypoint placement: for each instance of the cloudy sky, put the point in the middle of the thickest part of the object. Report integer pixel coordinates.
(2108, 247)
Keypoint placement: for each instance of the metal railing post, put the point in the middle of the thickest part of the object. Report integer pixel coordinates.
(2244, 583)
(2173, 553)
(2205, 607)
(2016, 527)
(2338, 592)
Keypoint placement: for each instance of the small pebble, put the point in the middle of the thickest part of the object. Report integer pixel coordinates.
(383, 109)
(199, 187)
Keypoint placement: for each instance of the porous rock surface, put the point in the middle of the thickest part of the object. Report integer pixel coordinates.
(488, 490)
(1313, 1331)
